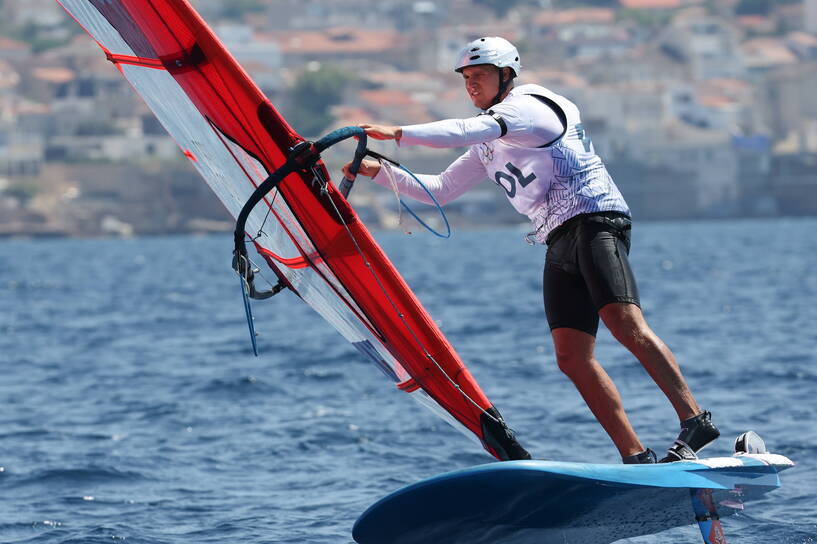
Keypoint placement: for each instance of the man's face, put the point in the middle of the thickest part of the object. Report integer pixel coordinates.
(481, 83)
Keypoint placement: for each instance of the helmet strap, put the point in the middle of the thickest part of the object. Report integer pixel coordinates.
(503, 86)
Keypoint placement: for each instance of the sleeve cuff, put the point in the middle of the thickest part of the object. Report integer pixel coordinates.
(408, 138)
(381, 178)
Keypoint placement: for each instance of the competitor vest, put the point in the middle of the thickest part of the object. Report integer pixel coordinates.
(560, 180)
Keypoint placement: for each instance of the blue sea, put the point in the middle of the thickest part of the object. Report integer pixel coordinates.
(133, 409)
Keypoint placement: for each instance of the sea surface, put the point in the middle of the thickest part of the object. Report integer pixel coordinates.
(132, 409)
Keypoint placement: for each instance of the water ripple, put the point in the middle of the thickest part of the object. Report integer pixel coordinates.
(134, 410)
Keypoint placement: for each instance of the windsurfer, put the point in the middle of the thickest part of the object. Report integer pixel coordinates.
(530, 141)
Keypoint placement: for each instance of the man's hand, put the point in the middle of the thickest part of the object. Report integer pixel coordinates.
(383, 132)
(367, 168)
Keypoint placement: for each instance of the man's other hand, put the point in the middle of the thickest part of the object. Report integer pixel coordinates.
(367, 168)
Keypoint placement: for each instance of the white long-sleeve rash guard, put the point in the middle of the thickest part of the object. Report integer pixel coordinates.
(530, 123)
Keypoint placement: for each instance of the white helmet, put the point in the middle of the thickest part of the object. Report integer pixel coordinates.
(489, 50)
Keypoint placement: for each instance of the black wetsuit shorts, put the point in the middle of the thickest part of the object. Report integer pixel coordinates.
(586, 268)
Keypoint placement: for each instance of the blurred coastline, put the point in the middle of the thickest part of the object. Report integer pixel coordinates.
(700, 109)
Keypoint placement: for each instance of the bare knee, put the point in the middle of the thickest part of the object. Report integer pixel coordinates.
(634, 336)
(572, 364)
(574, 351)
(627, 325)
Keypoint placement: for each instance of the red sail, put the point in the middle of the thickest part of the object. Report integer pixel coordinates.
(236, 138)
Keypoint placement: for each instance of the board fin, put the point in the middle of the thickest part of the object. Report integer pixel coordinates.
(706, 514)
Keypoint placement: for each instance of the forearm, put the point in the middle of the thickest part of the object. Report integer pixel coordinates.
(461, 175)
(452, 132)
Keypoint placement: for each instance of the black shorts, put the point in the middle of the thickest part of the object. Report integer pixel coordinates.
(586, 268)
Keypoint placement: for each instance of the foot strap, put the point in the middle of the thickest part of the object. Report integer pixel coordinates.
(679, 451)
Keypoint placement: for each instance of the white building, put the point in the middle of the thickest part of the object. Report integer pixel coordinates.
(21, 154)
(40, 12)
(710, 46)
(810, 7)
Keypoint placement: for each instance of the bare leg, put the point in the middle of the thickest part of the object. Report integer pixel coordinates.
(574, 353)
(627, 324)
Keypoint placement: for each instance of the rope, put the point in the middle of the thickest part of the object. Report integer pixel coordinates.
(427, 191)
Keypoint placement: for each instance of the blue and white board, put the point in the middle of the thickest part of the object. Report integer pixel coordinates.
(521, 502)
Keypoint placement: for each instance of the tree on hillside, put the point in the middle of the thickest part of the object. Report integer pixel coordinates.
(499, 7)
(753, 7)
(236, 9)
(314, 93)
(760, 7)
(567, 4)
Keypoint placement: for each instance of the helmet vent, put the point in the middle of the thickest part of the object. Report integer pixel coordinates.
(496, 51)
